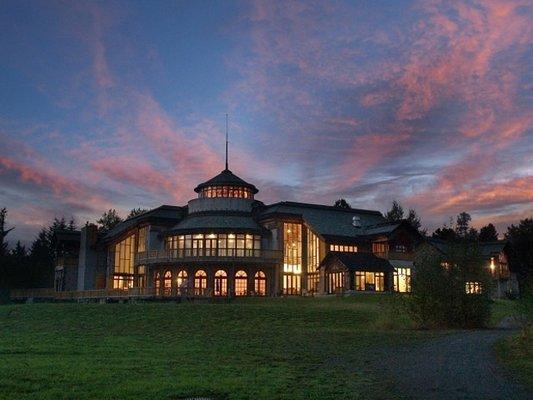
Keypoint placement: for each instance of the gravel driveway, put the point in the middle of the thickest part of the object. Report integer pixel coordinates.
(461, 365)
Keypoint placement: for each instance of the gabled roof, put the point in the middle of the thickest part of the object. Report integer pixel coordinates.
(162, 213)
(491, 248)
(358, 261)
(326, 220)
(226, 178)
(486, 249)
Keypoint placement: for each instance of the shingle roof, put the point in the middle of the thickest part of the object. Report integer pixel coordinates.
(226, 177)
(490, 248)
(164, 212)
(209, 222)
(485, 249)
(327, 220)
(359, 261)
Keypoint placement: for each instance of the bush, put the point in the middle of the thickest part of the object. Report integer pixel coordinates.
(439, 297)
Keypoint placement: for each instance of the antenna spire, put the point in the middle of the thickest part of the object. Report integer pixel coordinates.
(226, 141)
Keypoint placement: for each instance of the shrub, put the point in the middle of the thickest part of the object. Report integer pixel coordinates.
(439, 297)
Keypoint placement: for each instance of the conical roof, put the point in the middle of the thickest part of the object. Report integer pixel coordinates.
(226, 178)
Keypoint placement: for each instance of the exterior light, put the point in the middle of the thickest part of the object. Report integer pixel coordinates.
(492, 266)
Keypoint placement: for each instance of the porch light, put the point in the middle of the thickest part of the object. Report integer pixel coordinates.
(492, 266)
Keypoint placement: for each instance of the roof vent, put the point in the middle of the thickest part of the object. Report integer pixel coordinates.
(356, 221)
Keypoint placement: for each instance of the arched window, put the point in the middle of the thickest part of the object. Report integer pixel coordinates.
(182, 282)
(167, 283)
(157, 283)
(200, 282)
(241, 283)
(260, 283)
(221, 283)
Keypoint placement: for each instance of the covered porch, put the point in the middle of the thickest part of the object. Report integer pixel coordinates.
(355, 272)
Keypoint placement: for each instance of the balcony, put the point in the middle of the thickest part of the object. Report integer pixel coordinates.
(205, 255)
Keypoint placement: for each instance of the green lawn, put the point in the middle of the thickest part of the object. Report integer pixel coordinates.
(516, 352)
(297, 348)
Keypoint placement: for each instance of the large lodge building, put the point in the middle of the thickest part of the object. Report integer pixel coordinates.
(227, 243)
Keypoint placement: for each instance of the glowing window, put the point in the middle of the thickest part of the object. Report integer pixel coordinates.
(241, 283)
(473, 287)
(182, 281)
(221, 283)
(124, 255)
(167, 283)
(372, 281)
(200, 283)
(379, 247)
(402, 280)
(260, 283)
(343, 248)
(143, 236)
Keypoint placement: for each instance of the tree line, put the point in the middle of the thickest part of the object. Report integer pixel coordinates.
(34, 266)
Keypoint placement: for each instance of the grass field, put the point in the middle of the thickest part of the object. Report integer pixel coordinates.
(297, 348)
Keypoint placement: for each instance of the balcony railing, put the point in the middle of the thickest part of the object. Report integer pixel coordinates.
(187, 255)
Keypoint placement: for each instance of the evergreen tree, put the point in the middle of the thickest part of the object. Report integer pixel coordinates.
(462, 226)
(413, 219)
(395, 213)
(108, 220)
(3, 232)
(488, 233)
(521, 255)
(445, 233)
(342, 203)
(136, 211)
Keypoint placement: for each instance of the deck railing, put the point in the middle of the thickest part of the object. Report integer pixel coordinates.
(248, 255)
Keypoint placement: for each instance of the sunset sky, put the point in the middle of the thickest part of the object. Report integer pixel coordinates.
(121, 105)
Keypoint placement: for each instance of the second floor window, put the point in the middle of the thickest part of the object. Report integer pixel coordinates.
(379, 247)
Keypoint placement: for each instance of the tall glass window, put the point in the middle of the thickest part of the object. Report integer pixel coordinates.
(402, 280)
(260, 283)
(182, 282)
(241, 283)
(292, 258)
(200, 282)
(124, 255)
(221, 283)
(143, 236)
(167, 283)
(313, 261)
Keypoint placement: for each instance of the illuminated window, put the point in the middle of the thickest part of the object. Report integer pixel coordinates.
(380, 247)
(313, 261)
(400, 248)
(182, 282)
(122, 282)
(372, 281)
(200, 283)
(473, 287)
(402, 280)
(241, 283)
(143, 235)
(167, 283)
(343, 248)
(226, 191)
(292, 258)
(124, 255)
(260, 283)
(214, 245)
(157, 283)
(221, 283)
(336, 282)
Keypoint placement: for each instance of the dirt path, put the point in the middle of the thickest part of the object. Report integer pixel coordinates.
(461, 365)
